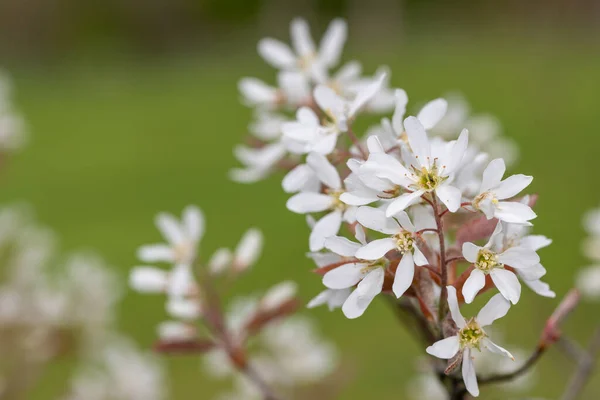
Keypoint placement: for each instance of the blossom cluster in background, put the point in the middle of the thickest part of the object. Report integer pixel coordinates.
(255, 335)
(588, 279)
(54, 306)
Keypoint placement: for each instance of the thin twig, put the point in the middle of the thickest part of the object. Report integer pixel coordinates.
(262, 385)
(454, 259)
(444, 270)
(584, 369)
(357, 143)
(531, 361)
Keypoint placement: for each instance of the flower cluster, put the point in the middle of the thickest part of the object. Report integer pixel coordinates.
(252, 343)
(418, 207)
(588, 279)
(52, 306)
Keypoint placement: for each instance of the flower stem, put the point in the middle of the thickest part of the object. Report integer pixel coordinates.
(442, 310)
(357, 143)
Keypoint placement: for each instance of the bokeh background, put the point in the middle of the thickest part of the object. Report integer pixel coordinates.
(133, 108)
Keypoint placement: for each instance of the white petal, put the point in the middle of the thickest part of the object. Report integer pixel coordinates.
(344, 276)
(193, 221)
(455, 308)
(450, 196)
(512, 186)
(535, 242)
(474, 283)
(376, 249)
(328, 100)
(456, 153)
(494, 348)
(445, 348)
(519, 257)
(325, 143)
(405, 222)
(181, 280)
(307, 202)
(169, 227)
(301, 38)
(404, 275)
(367, 289)
(148, 280)
(492, 175)
(375, 219)
(324, 170)
(507, 283)
(332, 44)
(401, 101)
(256, 91)
(220, 260)
(419, 257)
(470, 252)
(419, 142)
(496, 307)
(432, 113)
(185, 309)
(469, 375)
(342, 246)
(358, 198)
(248, 249)
(276, 53)
(401, 203)
(156, 253)
(366, 94)
(513, 212)
(298, 178)
(532, 273)
(541, 288)
(327, 226)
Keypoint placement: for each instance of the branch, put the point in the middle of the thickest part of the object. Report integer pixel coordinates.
(584, 369)
(444, 270)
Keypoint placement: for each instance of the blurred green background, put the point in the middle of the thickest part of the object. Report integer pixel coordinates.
(133, 109)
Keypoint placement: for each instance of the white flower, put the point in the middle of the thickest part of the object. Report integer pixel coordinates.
(491, 260)
(493, 190)
(591, 245)
(258, 162)
(321, 137)
(471, 335)
(402, 237)
(121, 372)
(304, 56)
(248, 249)
(278, 295)
(428, 173)
(182, 238)
(369, 275)
(176, 331)
(311, 202)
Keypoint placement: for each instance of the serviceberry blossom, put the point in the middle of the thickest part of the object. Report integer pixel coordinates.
(493, 190)
(402, 238)
(470, 336)
(321, 137)
(304, 57)
(428, 172)
(492, 260)
(329, 201)
(417, 191)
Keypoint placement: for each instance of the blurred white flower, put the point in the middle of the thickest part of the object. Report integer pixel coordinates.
(120, 372)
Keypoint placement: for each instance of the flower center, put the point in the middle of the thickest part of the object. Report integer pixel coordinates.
(404, 242)
(337, 203)
(183, 252)
(487, 260)
(483, 196)
(428, 179)
(471, 335)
